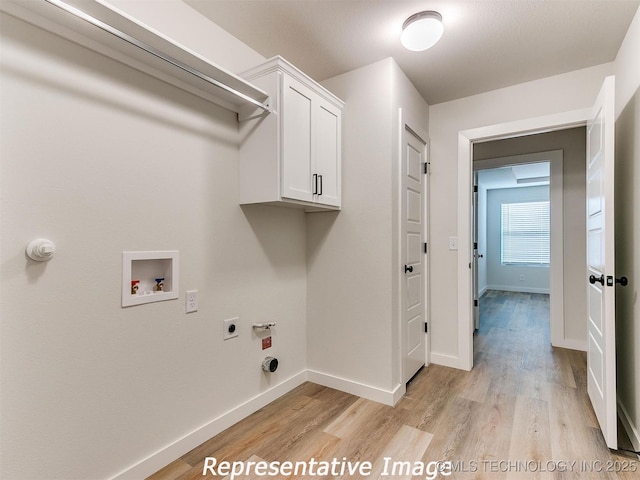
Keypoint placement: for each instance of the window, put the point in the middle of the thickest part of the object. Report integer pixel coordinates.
(524, 235)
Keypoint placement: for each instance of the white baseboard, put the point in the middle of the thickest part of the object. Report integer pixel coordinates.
(375, 394)
(571, 344)
(163, 457)
(447, 361)
(632, 430)
(171, 452)
(511, 288)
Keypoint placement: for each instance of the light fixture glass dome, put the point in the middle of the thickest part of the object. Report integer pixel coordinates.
(422, 30)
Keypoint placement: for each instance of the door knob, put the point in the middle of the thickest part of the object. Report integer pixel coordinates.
(623, 281)
(593, 279)
(408, 269)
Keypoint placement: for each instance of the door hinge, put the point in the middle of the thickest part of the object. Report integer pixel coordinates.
(426, 168)
(425, 247)
(475, 245)
(426, 327)
(475, 189)
(475, 303)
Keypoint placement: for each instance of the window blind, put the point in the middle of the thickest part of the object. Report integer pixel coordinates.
(525, 233)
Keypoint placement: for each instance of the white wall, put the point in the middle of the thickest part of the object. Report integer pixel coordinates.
(628, 227)
(535, 279)
(187, 26)
(567, 92)
(353, 263)
(100, 159)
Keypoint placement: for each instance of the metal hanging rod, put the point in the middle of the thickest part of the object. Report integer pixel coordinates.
(155, 52)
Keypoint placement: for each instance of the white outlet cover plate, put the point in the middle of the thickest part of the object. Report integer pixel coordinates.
(226, 335)
(191, 301)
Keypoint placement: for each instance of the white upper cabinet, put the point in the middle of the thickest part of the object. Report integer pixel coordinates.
(292, 155)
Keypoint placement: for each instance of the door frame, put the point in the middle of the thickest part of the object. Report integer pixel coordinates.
(466, 139)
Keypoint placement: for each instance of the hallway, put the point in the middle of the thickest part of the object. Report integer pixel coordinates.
(522, 412)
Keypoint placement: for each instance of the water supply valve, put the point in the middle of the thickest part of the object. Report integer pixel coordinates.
(264, 326)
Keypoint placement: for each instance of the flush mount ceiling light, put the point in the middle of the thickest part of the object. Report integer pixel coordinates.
(422, 30)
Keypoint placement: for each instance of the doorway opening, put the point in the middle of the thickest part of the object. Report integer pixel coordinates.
(517, 230)
(600, 308)
(472, 144)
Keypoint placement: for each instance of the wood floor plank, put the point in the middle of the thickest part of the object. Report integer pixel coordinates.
(303, 428)
(490, 434)
(476, 386)
(532, 385)
(252, 431)
(429, 396)
(172, 471)
(408, 445)
(382, 426)
(559, 368)
(569, 437)
(504, 375)
(353, 419)
(530, 437)
(451, 431)
(250, 476)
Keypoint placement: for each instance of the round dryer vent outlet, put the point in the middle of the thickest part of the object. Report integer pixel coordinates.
(270, 364)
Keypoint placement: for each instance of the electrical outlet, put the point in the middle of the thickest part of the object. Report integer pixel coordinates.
(230, 328)
(522, 278)
(191, 301)
(453, 243)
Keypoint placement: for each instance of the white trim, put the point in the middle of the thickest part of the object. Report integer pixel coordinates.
(388, 397)
(466, 138)
(511, 288)
(572, 344)
(168, 454)
(632, 430)
(556, 267)
(448, 361)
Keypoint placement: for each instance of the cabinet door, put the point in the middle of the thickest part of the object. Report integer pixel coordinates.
(327, 129)
(297, 134)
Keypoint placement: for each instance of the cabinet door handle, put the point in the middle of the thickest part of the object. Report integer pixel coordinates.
(320, 191)
(315, 183)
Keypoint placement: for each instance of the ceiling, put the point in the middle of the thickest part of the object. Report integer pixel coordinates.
(487, 44)
(526, 175)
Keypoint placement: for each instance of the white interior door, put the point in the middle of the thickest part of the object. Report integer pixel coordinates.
(601, 359)
(412, 251)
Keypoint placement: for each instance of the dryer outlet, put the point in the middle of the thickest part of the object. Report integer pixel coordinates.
(231, 329)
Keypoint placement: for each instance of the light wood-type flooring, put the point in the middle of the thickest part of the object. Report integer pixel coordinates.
(521, 413)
